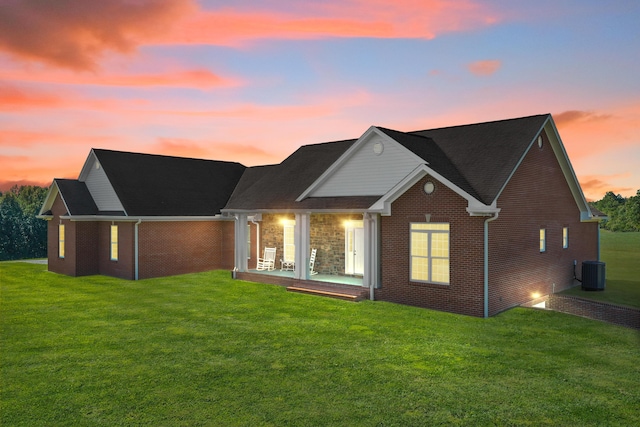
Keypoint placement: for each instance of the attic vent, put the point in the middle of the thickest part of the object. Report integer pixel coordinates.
(540, 141)
(97, 165)
(378, 148)
(429, 187)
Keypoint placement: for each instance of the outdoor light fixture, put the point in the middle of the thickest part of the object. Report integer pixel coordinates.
(535, 295)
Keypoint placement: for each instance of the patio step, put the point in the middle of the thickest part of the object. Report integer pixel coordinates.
(332, 294)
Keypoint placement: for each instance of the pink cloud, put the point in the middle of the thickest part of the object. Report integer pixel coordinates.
(484, 68)
(574, 116)
(346, 18)
(76, 35)
(595, 187)
(14, 98)
(194, 78)
(239, 152)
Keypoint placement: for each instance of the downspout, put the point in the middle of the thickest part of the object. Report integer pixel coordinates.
(486, 263)
(135, 248)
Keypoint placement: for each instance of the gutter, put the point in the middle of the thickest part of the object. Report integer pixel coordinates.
(486, 262)
(135, 248)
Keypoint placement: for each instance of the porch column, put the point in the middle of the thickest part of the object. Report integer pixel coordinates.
(371, 276)
(240, 243)
(301, 239)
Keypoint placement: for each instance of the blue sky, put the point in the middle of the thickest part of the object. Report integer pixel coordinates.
(251, 81)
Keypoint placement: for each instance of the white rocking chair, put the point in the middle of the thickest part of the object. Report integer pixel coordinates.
(312, 262)
(268, 260)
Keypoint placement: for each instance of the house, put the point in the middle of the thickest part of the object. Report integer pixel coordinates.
(137, 216)
(470, 219)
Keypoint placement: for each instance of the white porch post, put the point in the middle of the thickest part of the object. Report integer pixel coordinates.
(301, 239)
(371, 277)
(240, 243)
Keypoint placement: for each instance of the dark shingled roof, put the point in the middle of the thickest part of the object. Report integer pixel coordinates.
(278, 186)
(76, 196)
(478, 158)
(153, 185)
(427, 149)
(485, 154)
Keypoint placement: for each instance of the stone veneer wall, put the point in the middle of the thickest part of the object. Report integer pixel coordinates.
(326, 235)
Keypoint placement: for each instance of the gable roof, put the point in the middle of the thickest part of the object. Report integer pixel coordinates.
(478, 159)
(277, 186)
(486, 154)
(75, 197)
(154, 185)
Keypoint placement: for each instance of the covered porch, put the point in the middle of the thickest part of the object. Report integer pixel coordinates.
(345, 247)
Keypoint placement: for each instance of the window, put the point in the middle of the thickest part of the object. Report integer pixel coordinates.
(543, 240)
(430, 252)
(288, 241)
(61, 241)
(114, 243)
(565, 237)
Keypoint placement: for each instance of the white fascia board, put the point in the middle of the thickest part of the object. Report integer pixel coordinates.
(51, 197)
(345, 157)
(144, 218)
(567, 169)
(474, 206)
(293, 211)
(88, 164)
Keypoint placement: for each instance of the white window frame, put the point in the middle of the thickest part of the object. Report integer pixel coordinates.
(565, 237)
(113, 242)
(61, 240)
(543, 240)
(414, 233)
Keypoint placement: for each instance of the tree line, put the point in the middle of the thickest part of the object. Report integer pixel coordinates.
(623, 213)
(22, 235)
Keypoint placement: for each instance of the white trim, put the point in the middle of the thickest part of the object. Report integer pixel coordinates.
(371, 132)
(474, 206)
(144, 218)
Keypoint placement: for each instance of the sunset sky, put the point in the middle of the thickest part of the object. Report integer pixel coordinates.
(251, 81)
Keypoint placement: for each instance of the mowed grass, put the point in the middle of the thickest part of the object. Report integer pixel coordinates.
(621, 254)
(203, 349)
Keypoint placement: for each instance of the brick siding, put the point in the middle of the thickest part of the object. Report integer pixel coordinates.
(536, 197)
(171, 248)
(464, 294)
(619, 315)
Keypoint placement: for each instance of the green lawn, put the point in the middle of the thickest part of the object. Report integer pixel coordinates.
(621, 253)
(202, 349)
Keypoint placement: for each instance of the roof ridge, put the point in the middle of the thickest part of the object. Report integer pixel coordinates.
(480, 123)
(164, 156)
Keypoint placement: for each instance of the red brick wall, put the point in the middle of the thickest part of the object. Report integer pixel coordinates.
(66, 265)
(87, 245)
(171, 248)
(124, 267)
(464, 294)
(537, 196)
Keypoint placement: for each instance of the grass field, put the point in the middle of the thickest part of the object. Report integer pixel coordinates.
(202, 349)
(621, 253)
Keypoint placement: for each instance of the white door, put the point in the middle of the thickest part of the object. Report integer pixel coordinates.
(354, 249)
